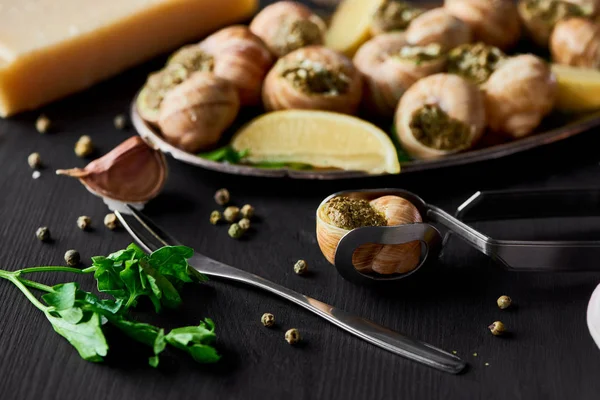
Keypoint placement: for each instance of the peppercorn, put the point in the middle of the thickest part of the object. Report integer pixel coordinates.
(84, 222)
(292, 336)
(215, 217)
(43, 234)
(497, 328)
(247, 211)
(84, 146)
(268, 320)
(244, 223)
(504, 302)
(120, 121)
(235, 231)
(34, 160)
(231, 214)
(300, 267)
(43, 124)
(111, 221)
(222, 197)
(72, 258)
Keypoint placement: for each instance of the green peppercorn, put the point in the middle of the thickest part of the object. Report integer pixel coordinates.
(268, 320)
(504, 302)
(72, 258)
(34, 160)
(84, 222)
(244, 224)
(120, 121)
(247, 211)
(43, 124)
(222, 197)
(215, 217)
(292, 336)
(84, 146)
(43, 234)
(231, 214)
(111, 221)
(235, 231)
(300, 267)
(497, 328)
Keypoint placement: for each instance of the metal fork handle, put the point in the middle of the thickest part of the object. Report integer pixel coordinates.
(367, 330)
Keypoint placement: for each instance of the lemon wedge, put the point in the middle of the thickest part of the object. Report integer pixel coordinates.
(578, 88)
(321, 139)
(350, 25)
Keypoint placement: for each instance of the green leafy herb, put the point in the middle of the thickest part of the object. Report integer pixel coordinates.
(281, 165)
(127, 276)
(225, 154)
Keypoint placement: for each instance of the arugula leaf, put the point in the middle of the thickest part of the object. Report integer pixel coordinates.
(86, 336)
(172, 261)
(62, 297)
(139, 331)
(159, 346)
(196, 340)
(107, 277)
(225, 154)
(90, 301)
(161, 287)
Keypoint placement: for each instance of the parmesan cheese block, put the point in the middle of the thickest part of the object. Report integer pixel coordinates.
(52, 48)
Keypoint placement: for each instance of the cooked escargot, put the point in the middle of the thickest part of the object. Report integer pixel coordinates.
(439, 115)
(576, 42)
(494, 22)
(476, 62)
(519, 94)
(540, 16)
(390, 66)
(438, 26)
(339, 215)
(313, 78)
(393, 15)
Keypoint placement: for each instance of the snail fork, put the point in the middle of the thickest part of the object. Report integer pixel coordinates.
(150, 237)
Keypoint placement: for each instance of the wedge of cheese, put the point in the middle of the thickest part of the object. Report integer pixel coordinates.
(52, 48)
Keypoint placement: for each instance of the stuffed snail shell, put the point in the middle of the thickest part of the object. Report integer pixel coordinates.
(576, 42)
(438, 26)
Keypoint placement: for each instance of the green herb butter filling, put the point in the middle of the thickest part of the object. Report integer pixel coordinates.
(475, 62)
(419, 54)
(435, 129)
(193, 59)
(315, 78)
(395, 15)
(347, 213)
(296, 33)
(552, 11)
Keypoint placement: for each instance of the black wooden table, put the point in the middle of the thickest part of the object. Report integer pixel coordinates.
(549, 354)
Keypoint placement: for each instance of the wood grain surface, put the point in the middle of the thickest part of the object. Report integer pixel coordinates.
(549, 355)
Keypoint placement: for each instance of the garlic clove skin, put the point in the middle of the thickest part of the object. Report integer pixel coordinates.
(438, 26)
(286, 26)
(494, 22)
(132, 172)
(241, 58)
(194, 115)
(460, 99)
(369, 258)
(576, 42)
(281, 93)
(387, 77)
(519, 94)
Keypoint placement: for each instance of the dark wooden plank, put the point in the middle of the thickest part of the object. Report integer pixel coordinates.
(550, 354)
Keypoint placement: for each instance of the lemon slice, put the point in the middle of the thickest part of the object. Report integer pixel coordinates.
(578, 88)
(350, 25)
(319, 138)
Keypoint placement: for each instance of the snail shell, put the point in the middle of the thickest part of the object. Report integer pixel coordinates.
(495, 22)
(194, 115)
(438, 26)
(279, 93)
(286, 26)
(519, 94)
(387, 77)
(241, 58)
(382, 259)
(132, 172)
(576, 42)
(460, 99)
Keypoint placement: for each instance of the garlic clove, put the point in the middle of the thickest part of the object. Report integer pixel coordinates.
(372, 257)
(132, 172)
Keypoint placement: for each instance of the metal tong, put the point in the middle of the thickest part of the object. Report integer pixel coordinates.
(514, 255)
(150, 237)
